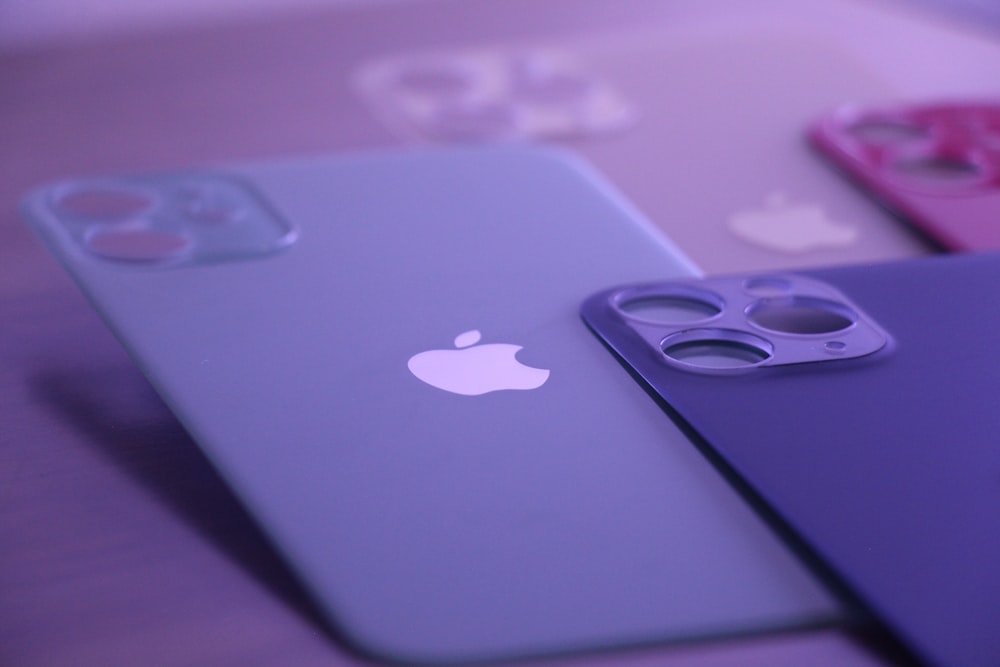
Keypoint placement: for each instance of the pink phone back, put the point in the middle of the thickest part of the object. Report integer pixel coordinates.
(936, 165)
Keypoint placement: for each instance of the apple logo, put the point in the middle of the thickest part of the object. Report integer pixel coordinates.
(791, 228)
(472, 369)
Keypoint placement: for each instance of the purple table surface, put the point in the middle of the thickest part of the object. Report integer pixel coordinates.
(120, 545)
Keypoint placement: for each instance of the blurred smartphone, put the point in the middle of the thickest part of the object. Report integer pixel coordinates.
(937, 166)
(701, 121)
(860, 406)
(382, 356)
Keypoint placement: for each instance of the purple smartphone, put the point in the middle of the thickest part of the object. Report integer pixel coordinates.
(860, 406)
(936, 165)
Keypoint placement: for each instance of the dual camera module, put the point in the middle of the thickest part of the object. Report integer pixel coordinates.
(166, 220)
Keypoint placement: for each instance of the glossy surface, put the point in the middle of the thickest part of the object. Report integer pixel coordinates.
(885, 466)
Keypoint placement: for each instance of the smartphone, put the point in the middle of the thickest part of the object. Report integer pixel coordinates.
(381, 355)
(858, 404)
(701, 121)
(936, 165)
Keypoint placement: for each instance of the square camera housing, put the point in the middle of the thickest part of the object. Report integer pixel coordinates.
(161, 220)
(737, 323)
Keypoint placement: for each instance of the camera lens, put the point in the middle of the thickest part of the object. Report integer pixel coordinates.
(104, 204)
(716, 349)
(801, 315)
(676, 304)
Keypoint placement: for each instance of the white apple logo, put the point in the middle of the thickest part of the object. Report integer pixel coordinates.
(473, 369)
(791, 228)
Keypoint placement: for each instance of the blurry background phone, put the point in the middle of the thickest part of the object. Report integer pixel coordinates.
(935, 165)
(700, 120)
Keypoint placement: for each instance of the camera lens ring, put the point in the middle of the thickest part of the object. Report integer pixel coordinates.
(800, 316)
(716, 350)
(674, 305)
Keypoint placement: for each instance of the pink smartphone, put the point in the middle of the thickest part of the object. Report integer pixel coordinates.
(936, 165)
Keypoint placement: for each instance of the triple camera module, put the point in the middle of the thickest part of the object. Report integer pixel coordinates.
(734, 324)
